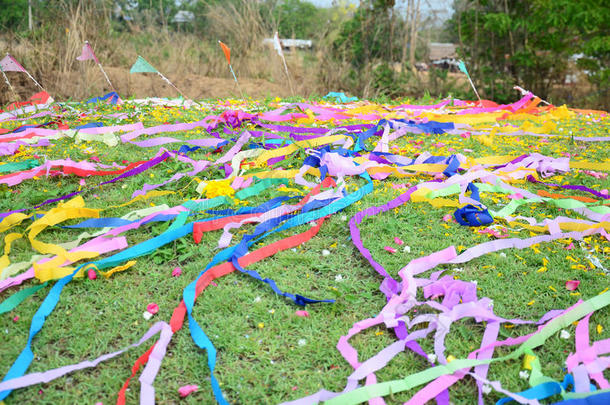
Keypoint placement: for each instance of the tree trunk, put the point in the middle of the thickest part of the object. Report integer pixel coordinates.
(414, 27)
(403, 59)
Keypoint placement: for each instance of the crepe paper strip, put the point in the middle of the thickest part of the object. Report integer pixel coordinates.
(22, 363)
(132, 172)
(594, 398)
(569, 187)
(268, 154)
(543, 193)
(340, 97)
(18, 166)
(14, 300)
(201, 165)
(117, 269)
(81, 169)
(592, 366)
(98, 245)
(53, 268)
(423, 195)
(101, 243)
(218, 271)
(401, 199)
(130, 136)
(26, 356)
(8, 240)
(72, 209)
(536, 339)
(234, 253)
(67, 168)
(200, 227)
(161, 328)
(581, 164)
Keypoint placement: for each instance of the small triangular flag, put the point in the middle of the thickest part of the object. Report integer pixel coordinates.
(87, 53)
(10, 64)
(142, 66)
(227, 51)
(462, 68)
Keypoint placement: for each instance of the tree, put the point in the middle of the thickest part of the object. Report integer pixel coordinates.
(296, 18)
(530, 42)
(14, 15)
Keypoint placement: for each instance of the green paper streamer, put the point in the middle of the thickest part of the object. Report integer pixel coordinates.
(14, 300)
(18, 166)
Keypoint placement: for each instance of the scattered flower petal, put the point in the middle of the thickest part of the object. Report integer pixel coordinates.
(398, 241)
(524, 374)
(325, 252)
(572, 285)
(176, 272)
(91, 274)
(187, 390)
(564, 334)
(390, 249)
(303, 314)
(338, 278)
(152, 308)
(147, 315)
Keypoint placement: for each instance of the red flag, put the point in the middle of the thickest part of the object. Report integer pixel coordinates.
(227, 51)
(9, 64)
(87, 53)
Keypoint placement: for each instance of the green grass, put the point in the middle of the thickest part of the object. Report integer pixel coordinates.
(267, 354)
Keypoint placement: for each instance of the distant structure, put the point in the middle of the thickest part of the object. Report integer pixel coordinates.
(440, 50)
(183, 16)
(443, 55)
(288, 44)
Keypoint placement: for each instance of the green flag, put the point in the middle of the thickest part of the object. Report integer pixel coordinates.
(142, 66)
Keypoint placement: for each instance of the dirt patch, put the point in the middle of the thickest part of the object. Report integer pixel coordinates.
(89, 82)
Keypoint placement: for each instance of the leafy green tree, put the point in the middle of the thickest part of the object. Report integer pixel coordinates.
(296, 18)
(14, 14)
(530, 42)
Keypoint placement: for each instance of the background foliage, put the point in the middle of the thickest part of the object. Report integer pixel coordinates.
(368, 50)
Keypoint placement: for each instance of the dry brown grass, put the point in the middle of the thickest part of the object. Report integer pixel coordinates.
(50, 55)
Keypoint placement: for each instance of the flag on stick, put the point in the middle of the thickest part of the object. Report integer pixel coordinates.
(227, 52)
(88, 54)
(277, 45)
(10, 64)
(142, 66)
(7, 82)
(462, 68)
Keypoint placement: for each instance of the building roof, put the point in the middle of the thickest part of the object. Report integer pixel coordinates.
(438, 50)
